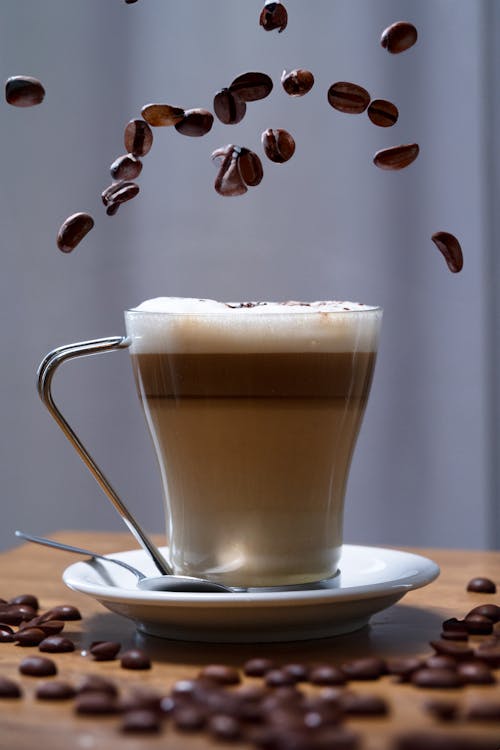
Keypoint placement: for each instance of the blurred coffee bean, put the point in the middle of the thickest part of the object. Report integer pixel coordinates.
(94, 683)
(436, 678)
(450, 648)
(104, 650)
(55, 690)
(29, 636)
(403, 667)
(297, 82)
(140, 721)
(442, 709)
(481, 585)
(418, 740)
(490, 655)
(279, 145)
(399, 37)
(273, 16)
(229, 181)
(250, 167)
(300, 672)
(29, 599)
(455, 635)
(324, 674)
(189, 718)
(142, 698)
(440, 661)
(488, 610)
(37, 666)
(478, 624)
(138, 137)
(453, 624)
(24, 91)
(369, 668)
(363, 704)
(228, 107)
(224, 727)
(348, 97)
(221, 673)
(9, 688)
(279, 678)
(96, 704)
(6, 633)
(126, 167)
(485, 710)
(383, 113)
(71, 233)
(475, 673)
(396, 157)
(450, 248)
(56, 644)
(195, 123)
(162, 115)
(252, 86)
(135, 658)
(258, 667)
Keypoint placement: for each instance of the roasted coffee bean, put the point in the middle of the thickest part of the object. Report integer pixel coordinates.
(324, 674)
(195, 123)
(258, 667)
(250, 167)
(71, 233)
(228, 107)
(189, 718)
(488, 654)
(252, 86)
(487, 610)
(141, 721)
(403, 667)
(104, 650)
(273, 16)
(56, 644)
(450, 248)
(300, 672)
(6, 634)
(96, 704)
(130, 2)
(126, 167)
(383, 113)
(455, 635)
(119, 192)
(138, 137)
(396, 157)
(297, 82)
(433, 741)
(135, 658)
(51, 627)
(399, 37)
(362, 704)
(37, 666)
(94, 683)
(442, 710)
(348, 97)
(15, 614)
(279, 678)
(475, 673)
(29, 636)
(9, 688)
(369, 668)
(55, 690)
(484, 711)
(221, 674)
(436, 678)
(279, 145)
(142, 698)
(453, 625)
(224, 727)
(478, 625)
(24, 91)
(28, 599)
(456, 650)
(229, 181)
(162, 115)
(185, 688)
(482, 586)
(440, 661)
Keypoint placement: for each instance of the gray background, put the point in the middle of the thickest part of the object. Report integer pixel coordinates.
(326, 225)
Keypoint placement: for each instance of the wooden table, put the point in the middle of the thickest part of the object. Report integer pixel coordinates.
(403, 630)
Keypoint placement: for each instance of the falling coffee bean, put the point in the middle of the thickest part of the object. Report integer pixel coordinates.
(297, 82)
(228, 107)
(126, 167)
(119, 192)
(450, 248)
(162, 115)
(383, 113)
(477, 585)
(399, 37)
(273, 16)
(37, 666)
(24, 91)
(195, 123)
(252, 86)
(73, 230)
(250, 167)
(138, 137)
(229, 181)
(348, 97)
(396, 157)
(279, 145)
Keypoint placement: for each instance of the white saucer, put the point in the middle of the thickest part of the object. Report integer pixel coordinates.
(370, 579)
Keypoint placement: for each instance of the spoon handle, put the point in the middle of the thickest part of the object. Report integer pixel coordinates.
(78, 550)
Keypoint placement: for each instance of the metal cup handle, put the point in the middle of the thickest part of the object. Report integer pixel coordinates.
(46, 372)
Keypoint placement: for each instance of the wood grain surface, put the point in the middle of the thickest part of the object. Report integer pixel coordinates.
(403, 630)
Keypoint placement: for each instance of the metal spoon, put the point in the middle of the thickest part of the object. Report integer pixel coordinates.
(146, 583)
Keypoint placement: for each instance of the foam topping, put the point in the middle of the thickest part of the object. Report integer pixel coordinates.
(200, 306)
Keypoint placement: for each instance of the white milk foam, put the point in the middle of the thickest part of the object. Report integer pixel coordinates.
(184, 325)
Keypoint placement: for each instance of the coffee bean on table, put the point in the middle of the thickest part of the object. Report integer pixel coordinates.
(195, 123)
(189, 718)
(478, 624)
(135, 658)
(56, 644)
(258, 667)
(442, 709)
(396, 157)
(475, 673)
(51, 627)
(162, 115)
(297, 82)
(481, 585)
(138, 137)
(279, 145)
(440, 661)
(96, 704)
(324, 674)
(300, 672)
(24, 91)
(29, 636)
(37, 666)
(278, 678)
(9, 688)
(403, 667)
(94, 683)
(456, 650)
(452, 625)
(383, 113)
(228, 107)
(252, 86)
(369, 668)
(348, 97)
(141, 721)
(484, 711)
(488, 610)
(220, 673)
(55, 690)
(15, 614)
(436, 678)
(489, 654)
(273, 16)
(72, 232)
(224, 727)
(399, 37)
(28, 599)
(450, 248)
(363, 704)
(433, 741)
(6, 634)
(104, 650)
(126, 167)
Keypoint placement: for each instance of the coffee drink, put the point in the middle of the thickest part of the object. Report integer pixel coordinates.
(254, 410)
